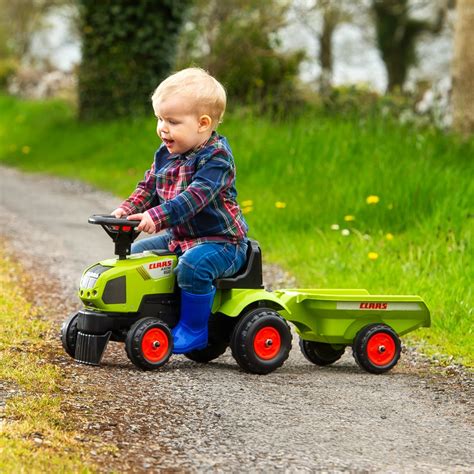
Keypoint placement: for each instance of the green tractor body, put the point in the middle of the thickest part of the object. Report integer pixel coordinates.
(119, 286)
(128, 286)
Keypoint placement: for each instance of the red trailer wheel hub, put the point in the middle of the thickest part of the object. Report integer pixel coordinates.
(381, 349)
(267, 343)
(155, 345)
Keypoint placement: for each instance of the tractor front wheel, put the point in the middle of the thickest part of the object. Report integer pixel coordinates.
(149, 343)
(376, 348)
(320, 353)
(261, 341)
(69, 334)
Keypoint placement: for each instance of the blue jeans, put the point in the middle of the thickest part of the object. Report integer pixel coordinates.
(199, 266)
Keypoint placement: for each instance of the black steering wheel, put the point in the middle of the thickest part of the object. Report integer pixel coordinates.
(122, 231)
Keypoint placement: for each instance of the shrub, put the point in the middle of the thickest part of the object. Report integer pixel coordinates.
(8, 68)
(128, 48)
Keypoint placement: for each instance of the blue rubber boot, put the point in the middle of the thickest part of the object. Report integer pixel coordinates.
(191, 331)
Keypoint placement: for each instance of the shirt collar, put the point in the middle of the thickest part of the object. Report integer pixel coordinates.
(194, 151)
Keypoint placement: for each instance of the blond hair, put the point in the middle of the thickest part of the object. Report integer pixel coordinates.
(198, 85)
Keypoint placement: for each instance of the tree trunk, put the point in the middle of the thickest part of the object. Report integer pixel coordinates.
(325, 52)
(463, 69)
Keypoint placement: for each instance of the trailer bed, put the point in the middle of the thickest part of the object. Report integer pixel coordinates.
(335, 316)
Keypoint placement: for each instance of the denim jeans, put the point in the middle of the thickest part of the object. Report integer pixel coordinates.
(199, 266)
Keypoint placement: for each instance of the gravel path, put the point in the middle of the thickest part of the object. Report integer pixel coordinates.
(214, 417)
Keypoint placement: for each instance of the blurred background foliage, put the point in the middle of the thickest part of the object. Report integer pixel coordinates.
(236, 41)
(397, 32)
(127, 47)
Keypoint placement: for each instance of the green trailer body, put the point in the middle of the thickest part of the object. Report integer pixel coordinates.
(336, 316)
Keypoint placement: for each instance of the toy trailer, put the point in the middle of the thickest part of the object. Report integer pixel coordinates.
(329, 320)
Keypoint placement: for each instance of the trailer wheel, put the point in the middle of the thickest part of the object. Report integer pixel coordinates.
(261, 341)
(376, 348)
(149, 343)
(320, 353)
(69, 334)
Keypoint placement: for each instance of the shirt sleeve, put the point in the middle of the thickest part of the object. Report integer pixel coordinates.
(214, 174)
(144, 196)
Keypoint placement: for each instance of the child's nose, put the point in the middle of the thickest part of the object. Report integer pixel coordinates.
(162, 128)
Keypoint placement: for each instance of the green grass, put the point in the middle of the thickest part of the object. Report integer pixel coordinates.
(35, 434)
(322, 168)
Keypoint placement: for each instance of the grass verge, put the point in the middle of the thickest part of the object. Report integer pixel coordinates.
(35, 433)
(339, 202)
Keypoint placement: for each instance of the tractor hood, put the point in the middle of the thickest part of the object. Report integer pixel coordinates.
(119, 285)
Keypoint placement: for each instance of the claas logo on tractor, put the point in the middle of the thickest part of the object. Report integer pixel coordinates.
(162, 264)
(367, 305)
(159, 269)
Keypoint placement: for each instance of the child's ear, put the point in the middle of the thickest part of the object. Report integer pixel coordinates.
(205, 123)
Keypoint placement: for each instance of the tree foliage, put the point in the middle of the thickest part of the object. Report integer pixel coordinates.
(321, 19)
(396, 32)
(127, 49)
(237, 41)
(19, 20)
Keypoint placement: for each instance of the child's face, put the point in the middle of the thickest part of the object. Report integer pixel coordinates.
(180, 128)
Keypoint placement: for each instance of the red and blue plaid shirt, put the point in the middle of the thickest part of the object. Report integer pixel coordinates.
(193, 195)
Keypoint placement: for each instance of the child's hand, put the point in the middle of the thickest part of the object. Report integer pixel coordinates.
(118, 213)
(146, 225)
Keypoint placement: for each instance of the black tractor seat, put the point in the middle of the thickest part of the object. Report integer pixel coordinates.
(250, 275)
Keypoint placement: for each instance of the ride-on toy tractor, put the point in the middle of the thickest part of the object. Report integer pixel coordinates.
(135, 299)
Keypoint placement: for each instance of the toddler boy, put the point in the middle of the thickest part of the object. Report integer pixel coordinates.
(189, 192)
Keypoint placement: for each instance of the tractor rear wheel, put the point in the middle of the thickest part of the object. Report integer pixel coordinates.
(320, 353)
(376, 348)
(69, 334)
(149, 343)
(261, 341)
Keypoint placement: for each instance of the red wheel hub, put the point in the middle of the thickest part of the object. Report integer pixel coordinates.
(155, 345)
(381, 349)
(267, 343)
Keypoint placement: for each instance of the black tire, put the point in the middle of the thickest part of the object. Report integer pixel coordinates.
(320, 353)
(220, 330)
(149, 343)
(69, 334)
(251, 351)
(376, 348)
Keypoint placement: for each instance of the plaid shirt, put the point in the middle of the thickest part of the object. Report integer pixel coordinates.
(192, 194)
